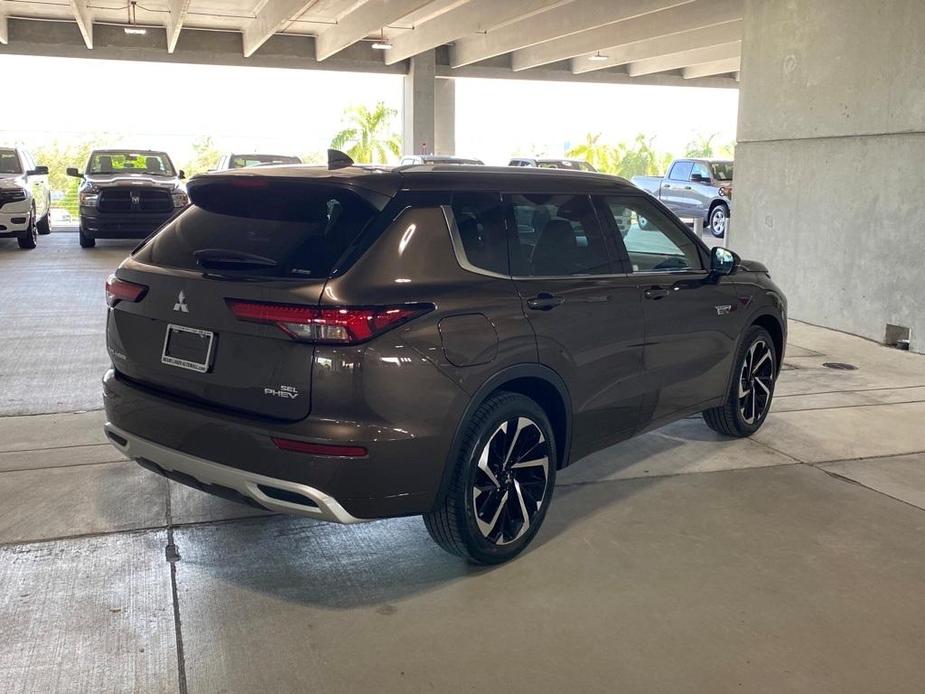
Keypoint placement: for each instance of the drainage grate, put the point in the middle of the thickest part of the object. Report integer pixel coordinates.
(840, 366)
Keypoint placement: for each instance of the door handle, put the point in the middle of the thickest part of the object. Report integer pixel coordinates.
(665, 185)
(656, 293)
(544, 302)
(687, 188)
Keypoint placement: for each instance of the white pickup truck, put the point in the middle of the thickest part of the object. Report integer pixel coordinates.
(694, 188)
(24, 197)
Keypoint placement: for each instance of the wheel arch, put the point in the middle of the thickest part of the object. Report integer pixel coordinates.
(537, 382)
(770, 323)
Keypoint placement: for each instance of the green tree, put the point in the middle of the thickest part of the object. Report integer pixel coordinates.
(58, 157)
(640, 158)
(599, 155)
(205, 156)
(367, 137)
(701, 146)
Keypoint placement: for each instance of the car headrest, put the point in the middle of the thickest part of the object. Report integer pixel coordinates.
(153, 164)
(106, 163)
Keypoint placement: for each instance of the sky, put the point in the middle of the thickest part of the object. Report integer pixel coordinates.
(169, 106)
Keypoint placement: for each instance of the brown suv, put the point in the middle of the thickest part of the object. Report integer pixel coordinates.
(355, 343)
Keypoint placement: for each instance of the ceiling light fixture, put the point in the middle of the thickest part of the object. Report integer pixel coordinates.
(138, 31)
(382, 44)
(597, 57)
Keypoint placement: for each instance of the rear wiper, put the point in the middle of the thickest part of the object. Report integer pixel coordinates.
(227, 259)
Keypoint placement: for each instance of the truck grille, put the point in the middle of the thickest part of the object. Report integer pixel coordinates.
(135, 200)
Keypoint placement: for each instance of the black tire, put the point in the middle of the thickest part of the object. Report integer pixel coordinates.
(85, 241)
(28, 238)
(738, 415)
(455, 523)
(717, 220)
(44, 224)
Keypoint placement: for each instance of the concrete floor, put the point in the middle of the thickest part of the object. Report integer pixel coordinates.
(679, 561)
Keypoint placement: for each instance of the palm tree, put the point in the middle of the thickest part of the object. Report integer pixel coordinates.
(599, 155)
(367, 138)
(701, 146)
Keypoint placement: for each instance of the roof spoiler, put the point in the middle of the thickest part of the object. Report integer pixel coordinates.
(338, 160)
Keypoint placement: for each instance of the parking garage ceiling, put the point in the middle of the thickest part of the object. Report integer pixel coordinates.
(660, 41)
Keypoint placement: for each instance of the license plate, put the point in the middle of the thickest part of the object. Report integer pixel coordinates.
(188, 348)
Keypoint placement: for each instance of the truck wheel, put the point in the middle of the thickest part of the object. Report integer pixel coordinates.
(719, 215)
(28, 238)
(85, 241)
(503, 477)
(44, 224)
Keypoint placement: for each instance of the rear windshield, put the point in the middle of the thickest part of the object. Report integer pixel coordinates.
(151, 163)
(722, 170)
(280, 233)
(240, 161)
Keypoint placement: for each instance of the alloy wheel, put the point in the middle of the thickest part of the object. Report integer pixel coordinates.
(756, 381)
(511, 480)
(718, 221)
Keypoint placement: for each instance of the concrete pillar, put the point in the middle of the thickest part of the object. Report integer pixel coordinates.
(831, 138)
(418, 132)
(445, 116)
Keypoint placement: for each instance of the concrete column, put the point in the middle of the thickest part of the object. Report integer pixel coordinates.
(418, 133)
(831, 138)
(445, 116)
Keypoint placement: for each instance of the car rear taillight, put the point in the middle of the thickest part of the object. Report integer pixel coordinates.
(119, 290)
(327, 324)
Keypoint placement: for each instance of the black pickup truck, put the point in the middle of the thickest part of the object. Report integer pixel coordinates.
(127, 194)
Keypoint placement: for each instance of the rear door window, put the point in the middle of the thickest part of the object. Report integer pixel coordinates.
(286, 231)
(556, 235)
(681, 171)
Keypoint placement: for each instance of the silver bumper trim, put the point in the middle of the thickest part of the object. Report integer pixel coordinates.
(242, 481)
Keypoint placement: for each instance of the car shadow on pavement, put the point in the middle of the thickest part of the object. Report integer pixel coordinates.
(342, 567)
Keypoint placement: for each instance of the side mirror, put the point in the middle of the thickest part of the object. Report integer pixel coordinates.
(182, 174)
(38, 171)
(722, 261)
(699, 178)
(71, 171)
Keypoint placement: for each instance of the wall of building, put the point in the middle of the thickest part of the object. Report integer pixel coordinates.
(830, 182)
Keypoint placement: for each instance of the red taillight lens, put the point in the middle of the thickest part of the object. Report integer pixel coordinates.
(320, 448)
(119, 290)
(348, 325)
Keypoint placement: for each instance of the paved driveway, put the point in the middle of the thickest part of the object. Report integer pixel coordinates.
(679, 561)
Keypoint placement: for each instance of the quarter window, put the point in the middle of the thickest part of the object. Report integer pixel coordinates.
(652, 242)
(556, 235)
(480, 225)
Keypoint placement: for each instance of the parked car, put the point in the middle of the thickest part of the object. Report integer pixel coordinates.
(24, 197)
(567, 164)
(356, 343)
(240, 161)
(127, 194)
(411, 159)
(698, 188)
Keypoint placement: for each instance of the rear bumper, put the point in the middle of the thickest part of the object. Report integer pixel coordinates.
(287, 497)
(400, 476)
(100, 225)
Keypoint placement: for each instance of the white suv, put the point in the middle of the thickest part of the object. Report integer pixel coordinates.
(24, 197)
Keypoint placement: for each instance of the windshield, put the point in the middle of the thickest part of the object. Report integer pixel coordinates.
(9, 162)
(239, 161)
(722, 170)
(115, 162)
